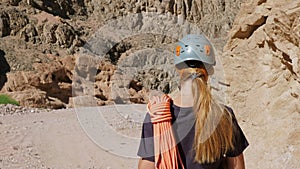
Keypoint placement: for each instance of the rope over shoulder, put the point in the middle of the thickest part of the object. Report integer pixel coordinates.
(166, 152)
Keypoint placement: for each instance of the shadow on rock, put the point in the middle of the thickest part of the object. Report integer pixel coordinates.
(4, 68)
(62, 8)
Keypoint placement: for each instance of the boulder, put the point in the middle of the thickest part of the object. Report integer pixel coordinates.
(36, 98)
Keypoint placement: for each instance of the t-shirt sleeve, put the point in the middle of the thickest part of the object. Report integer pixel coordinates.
(240, 142)
(146, 148)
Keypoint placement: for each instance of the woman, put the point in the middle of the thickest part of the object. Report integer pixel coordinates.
(207, 134)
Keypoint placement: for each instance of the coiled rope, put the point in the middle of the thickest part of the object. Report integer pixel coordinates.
(166, 152)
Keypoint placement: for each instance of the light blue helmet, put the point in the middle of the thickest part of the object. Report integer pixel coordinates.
(195, 47)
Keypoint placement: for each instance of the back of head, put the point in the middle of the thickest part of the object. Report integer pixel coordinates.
(193, 47)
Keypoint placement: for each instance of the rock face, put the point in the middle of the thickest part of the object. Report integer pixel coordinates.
(139, 72)
(262, 66)
(49, 85)
(33, 30)
(91, 81)
(213, 17)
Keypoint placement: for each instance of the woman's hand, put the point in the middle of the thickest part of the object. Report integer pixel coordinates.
(159, 99)
(236, 162)
(145, 164)
(159, 108)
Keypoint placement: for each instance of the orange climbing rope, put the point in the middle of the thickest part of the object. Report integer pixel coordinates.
(166, 152)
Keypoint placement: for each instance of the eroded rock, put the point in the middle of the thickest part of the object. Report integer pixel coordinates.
(51, 80)
(261, 64)
(4, 24)
(29, 33)
(18, 20)
(65, 35)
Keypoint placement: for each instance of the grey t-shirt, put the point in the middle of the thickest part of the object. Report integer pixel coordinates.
(183, 124)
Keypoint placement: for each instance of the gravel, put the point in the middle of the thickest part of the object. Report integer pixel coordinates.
(9, 109)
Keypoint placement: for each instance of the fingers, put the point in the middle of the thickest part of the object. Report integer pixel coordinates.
(158, 107)
(165, 98)
(159, 99)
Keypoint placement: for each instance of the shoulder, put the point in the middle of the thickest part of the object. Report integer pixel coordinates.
(229, 109)
(147, 119)
(231, 112)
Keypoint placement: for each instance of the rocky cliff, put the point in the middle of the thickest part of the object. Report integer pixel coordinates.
(42, 43)
(262, 66)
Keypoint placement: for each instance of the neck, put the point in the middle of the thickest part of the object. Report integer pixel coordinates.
(185, 97)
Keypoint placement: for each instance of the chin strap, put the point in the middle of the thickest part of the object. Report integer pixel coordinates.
(166, 152)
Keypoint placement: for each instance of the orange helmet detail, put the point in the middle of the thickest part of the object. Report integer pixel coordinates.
(207, 50)
(194, 47)
(178, 50)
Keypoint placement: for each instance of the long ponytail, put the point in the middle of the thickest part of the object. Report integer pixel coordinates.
(213, 125)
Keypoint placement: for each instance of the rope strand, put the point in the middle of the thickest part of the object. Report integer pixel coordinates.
(167, 155)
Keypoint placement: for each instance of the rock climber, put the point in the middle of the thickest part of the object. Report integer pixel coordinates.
(191, 130)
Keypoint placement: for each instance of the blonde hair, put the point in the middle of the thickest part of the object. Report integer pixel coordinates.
(213, 125)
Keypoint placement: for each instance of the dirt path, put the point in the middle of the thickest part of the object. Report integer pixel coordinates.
(52, 140)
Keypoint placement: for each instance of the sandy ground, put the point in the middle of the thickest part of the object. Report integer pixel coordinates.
(107, 138)
(56, 139)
